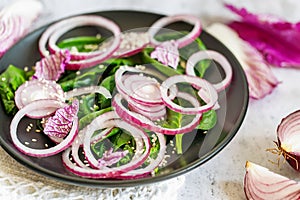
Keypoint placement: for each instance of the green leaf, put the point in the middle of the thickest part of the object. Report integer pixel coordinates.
(86, 105)
(109, 84)
(208, 121)
(10, 80)
(118, 62)
(178, 138)
(82, 78)
(81, 43)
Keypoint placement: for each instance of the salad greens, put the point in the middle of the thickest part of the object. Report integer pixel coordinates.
(10, 80)
(81, 43)
(93, 105)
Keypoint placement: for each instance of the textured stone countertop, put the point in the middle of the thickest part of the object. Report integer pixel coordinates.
(222, 176)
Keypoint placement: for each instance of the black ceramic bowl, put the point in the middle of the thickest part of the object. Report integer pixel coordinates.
(198, 147)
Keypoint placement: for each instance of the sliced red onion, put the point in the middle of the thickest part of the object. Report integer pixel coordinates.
(216, 56)
(189, 38)
(141, 138)
(261, 183)
(142, 121)
(88, 90)
(52, 66)
(129, 91)
(61, 123)
(288, 135)
(36, 90)
(167, 53)
(148, 108)
(15, 21)
(113, 172)
(157, 115)
(142, 89)
(131, 44)
(195, 81)
(78, 143)
(141, 172)
(31, 107)
(260, 78)
(80, 60)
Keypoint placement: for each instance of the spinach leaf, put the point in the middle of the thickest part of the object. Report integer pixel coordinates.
(174, 120)
(86, 105)
(118, 62)
(82, 78)
(10, 80)
(109, 84)
(81, 43)
(208, 121)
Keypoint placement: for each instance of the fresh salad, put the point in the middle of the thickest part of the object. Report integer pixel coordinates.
(111, 105)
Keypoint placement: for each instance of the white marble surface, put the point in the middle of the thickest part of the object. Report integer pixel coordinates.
(222, 176)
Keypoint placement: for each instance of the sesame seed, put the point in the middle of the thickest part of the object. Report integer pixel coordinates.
(78, 73)
(46, 145)
(37, 130)
(3, 79)
(26, 69)
(34, 140)
(27, 143)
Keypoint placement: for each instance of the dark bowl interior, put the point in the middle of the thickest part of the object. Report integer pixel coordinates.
(198, 147)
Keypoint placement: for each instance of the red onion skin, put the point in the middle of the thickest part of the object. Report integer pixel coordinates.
(288, 126)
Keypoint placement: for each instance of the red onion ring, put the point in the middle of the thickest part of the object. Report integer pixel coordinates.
(82, 133)
(128, 91)
(34, 90)
(131, 44)
(210, 54)
(139, 120)
(78, 143)
(189, 38)
(156, 115)
(141, 172)
(36, 105)
(141, 138)
(80, 60)
(195, 81)
(115, 171)
(148, 108)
